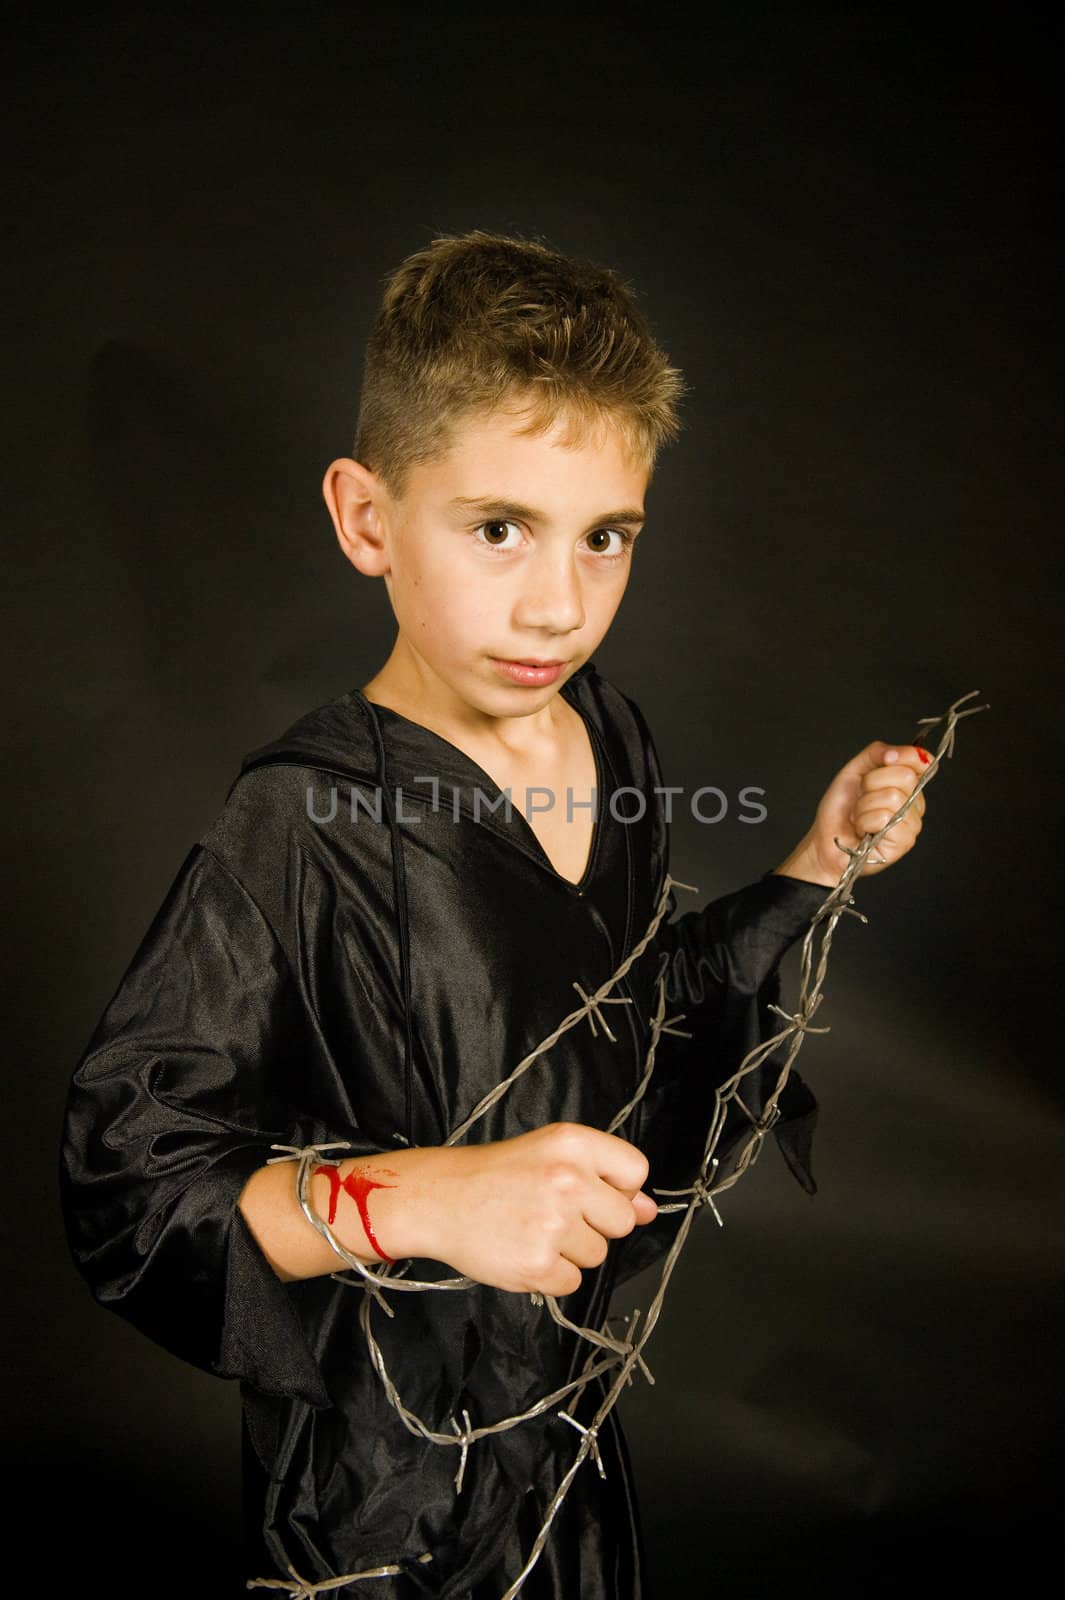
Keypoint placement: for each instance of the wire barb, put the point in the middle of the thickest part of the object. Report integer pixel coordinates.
(464, 1436)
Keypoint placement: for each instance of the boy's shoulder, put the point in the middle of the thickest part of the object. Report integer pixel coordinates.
(620, 721)
(336, 736)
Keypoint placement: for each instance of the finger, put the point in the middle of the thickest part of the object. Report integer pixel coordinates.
(895, 841)
(903, 780)
(871, 815)
(562, 1278)
(874, 755)
(575, 1155)
(886, 803)
(912, 756)
(646, 1208)
(609, 1211)
(888, 800)
(584, 1246)
(871, 818)
(881, 753)
(874, 805)
(618, 1162)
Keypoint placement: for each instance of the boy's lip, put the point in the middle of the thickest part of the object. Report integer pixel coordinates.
(528, 661)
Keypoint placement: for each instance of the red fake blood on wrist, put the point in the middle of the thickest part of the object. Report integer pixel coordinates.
(359, 1186)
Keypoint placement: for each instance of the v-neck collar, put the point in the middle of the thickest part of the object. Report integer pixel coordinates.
(527, 838)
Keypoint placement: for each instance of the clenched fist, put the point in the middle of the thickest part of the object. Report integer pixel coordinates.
(862, 798)
(525, 1214)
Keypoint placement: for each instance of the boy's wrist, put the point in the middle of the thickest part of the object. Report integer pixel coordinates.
(380, 1207)
(803, 863)
(412, 1214)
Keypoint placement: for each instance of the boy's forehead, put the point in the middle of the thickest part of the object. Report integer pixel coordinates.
(491, 460)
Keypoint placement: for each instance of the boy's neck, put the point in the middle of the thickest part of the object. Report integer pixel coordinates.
(413, 691)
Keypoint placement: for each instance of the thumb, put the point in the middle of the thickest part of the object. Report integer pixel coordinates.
(879, 753)
(645, 1208)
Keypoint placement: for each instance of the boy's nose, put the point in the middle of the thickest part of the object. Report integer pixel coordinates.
(551, 597)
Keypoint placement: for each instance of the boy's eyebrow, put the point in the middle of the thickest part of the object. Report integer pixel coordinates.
(488, 505)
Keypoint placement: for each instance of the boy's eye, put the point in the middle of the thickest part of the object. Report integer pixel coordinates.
(623, 537)
(495, 534)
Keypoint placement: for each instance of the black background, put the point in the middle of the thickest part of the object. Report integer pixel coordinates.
(839, 221)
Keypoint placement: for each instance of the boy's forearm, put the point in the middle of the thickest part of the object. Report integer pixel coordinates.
(391, 1192)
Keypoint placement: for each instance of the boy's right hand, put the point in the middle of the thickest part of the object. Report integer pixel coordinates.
(524, 1214)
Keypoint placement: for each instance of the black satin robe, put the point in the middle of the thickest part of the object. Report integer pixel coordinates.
(314, 974)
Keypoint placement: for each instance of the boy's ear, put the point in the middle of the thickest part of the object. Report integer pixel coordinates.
(355, 499)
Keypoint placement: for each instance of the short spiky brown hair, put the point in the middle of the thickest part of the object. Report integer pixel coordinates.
(477, 321)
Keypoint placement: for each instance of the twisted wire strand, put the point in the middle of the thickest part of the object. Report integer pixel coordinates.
(305, 1589)
(622, 1357)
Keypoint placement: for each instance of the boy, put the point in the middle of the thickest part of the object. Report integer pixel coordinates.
(394, 913)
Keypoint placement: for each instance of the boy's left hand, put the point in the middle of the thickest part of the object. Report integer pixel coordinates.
(861, 799)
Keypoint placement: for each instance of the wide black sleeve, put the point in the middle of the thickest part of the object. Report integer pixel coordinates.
(189, 1077)
(721, 969)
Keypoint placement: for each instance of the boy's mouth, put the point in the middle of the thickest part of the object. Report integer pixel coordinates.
(528, 671)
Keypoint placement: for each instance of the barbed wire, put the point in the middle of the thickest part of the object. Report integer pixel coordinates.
(607, 1354)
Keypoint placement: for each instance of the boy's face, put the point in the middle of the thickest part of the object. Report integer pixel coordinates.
(510, 548)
